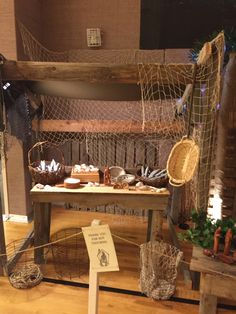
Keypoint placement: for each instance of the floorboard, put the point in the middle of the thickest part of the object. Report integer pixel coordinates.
(49, 298)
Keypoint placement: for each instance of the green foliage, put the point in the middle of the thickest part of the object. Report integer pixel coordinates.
(202, 234)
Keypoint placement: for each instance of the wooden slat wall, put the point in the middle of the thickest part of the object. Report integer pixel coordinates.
(106, 153)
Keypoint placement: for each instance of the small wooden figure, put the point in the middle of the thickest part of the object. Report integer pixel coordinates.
(216, 240)
(107, 176)
(228, 239)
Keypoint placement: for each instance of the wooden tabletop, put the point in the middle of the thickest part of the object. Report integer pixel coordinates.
(102, 195)
(102, 189)
(204, 264)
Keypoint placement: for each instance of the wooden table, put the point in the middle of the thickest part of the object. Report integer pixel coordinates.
(217, 280)
(90, 197)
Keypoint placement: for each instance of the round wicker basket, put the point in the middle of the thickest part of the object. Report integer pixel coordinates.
(21, 269)
(182, 162)
(27, 276)
(46, 177)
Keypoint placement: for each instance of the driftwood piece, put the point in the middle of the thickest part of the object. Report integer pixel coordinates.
(89, 72)
(111, 126)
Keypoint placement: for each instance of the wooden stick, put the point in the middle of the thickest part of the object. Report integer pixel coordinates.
(90, 72)
(93, 283)
(5, 201)
(109, 126)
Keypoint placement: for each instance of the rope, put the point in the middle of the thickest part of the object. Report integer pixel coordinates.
(121, 238)
(126, 240)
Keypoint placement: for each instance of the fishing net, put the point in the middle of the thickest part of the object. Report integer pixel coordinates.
(120, 132)
(159, 263)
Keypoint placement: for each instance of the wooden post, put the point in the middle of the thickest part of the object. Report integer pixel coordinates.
(208, 302)
(93, 283)
(2, 245)
(176, 204)
(4, 195)
(42, 219)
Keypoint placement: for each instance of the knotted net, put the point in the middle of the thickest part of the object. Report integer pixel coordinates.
(115, 131)
(159, 263)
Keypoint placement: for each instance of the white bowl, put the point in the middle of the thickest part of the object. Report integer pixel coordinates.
(115, 172)
(128, 178)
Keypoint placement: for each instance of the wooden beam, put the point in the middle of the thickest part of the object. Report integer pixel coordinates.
(108, 126)
(91, 72)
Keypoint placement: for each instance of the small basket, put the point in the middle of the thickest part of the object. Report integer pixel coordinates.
(182, 162)
(155, 182)
(46, 177)
(22, 272)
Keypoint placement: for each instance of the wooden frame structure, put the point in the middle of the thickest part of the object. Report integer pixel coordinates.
(90, 73)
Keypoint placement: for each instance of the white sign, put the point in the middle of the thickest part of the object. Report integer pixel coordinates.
(100, 248)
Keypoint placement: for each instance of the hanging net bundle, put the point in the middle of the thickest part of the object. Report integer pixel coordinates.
(127, 133)
(159, 263)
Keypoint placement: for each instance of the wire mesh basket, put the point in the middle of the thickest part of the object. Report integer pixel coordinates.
(159, 262)
(69, 255)
(45, 176)
(22, 271)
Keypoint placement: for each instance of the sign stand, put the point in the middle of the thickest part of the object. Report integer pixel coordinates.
(93, 283)
(102, 256)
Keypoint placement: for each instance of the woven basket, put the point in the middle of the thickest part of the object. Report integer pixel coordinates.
(182, 162)
(22, 272)
(155, 182)
(46, 177)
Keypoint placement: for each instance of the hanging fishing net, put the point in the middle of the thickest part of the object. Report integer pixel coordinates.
(126, 133)
(159, 263)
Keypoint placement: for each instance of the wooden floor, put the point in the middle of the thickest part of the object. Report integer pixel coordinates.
(61, 299)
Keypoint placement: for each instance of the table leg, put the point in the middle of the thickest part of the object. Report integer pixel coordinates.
(42, 219)
(159, 220)
(208, 304)
(154, 225)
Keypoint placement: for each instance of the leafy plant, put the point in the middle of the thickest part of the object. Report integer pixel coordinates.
(202, 233)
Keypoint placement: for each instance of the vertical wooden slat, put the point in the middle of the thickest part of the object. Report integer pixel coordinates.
(102, 153)
(121, 152)
(111, 151)
(139, 153)
(84, 158)
(150, 154)
(130, 148)
(75, 151)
